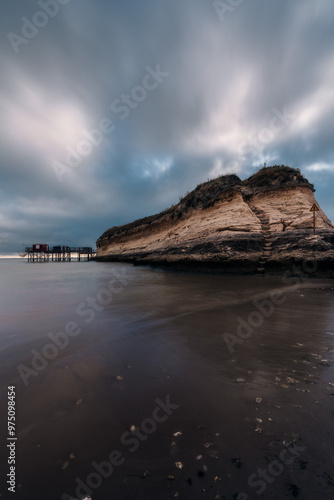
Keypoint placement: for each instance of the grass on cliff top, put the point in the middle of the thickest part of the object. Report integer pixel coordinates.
(276, 176)
(206, 194)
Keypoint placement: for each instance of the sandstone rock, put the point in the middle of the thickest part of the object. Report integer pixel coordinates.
(262, 224)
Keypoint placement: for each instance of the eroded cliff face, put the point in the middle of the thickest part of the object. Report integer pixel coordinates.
(289, 209)
(258, 225)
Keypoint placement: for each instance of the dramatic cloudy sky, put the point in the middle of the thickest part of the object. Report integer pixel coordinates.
(240, 82)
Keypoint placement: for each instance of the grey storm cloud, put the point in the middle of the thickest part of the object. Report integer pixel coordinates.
(243, 82)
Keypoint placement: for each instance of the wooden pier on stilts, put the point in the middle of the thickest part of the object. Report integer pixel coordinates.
(42, 253)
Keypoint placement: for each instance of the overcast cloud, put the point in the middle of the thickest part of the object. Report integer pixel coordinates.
(222, 89)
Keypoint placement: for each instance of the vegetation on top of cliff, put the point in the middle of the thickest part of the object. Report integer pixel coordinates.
(267, 178)
(125, 228)
(206, 194)
(275, 177)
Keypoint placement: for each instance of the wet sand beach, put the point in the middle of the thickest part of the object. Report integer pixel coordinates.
(156, 391)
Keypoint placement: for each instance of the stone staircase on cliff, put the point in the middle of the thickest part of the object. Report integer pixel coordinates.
(265, 227)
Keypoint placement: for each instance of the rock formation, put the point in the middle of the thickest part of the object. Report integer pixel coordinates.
(261, 224)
